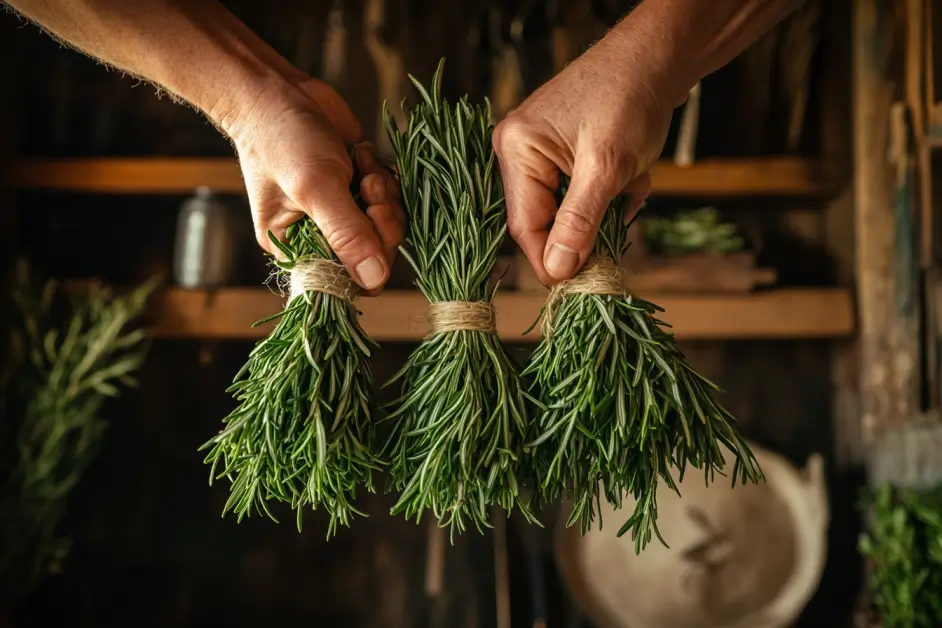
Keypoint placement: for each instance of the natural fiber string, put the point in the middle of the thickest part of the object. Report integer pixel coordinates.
(316, 274)
(598, 276)
(460, 316)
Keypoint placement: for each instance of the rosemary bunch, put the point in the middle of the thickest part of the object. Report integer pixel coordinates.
(302, 432)
(623, 408)
(459, 424)
(67, 357)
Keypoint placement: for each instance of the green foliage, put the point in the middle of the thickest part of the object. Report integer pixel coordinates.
(51, 421)
(623, 408)
(904, 547)
(302, 432)
(458, 428)
(697, 231)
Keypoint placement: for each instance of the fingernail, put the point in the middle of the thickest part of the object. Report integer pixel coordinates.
(364, 157)
(371, 272)
(561, 261)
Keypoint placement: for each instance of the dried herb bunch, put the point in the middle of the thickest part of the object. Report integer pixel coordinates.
(458, 430)
(68, 356)
(623, 408)
(302, 432)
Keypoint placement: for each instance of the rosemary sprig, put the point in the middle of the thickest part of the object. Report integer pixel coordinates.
(68, 356)
(302, 432)
(459, 425)
(623, 408)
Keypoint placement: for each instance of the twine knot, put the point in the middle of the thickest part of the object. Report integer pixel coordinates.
(316, 274)
(448, 316)
(598, 276)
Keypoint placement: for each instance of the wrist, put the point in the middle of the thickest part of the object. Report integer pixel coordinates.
(246, 96)
(237, 74)
(642, 44)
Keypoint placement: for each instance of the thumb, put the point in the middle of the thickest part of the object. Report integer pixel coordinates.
(577, 222)
(325, 196)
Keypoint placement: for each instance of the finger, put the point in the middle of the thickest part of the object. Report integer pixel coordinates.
(373, 189)
(385, 212)
(529, 180)
(367, 164)
(324, 194)
(270, 212)
(390, 227)
(577, 222)
(380, 189)
(638, 191)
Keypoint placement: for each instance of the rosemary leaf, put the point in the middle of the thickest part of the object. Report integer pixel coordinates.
(459, 425)
(302, 433)
(623, 408)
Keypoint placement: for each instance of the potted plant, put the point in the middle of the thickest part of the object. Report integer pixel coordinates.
(693, 251)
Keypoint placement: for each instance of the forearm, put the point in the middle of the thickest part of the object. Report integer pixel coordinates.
(681, 41)
(196, 50)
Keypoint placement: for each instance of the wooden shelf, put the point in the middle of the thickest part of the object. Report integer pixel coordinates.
(775, 176)
(399, 315)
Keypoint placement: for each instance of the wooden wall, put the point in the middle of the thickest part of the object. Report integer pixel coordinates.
(150, 545)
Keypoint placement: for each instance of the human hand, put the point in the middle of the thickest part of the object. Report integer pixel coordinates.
(294, 148)
(601, 122)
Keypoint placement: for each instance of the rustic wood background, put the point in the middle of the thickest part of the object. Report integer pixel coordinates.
(150, 547)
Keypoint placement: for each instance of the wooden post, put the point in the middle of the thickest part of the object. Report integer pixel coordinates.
(889, 358)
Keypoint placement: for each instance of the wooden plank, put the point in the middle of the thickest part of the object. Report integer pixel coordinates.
(767, 176)
(776, 176)
(889, 358)
(399, 315)
(129, 176)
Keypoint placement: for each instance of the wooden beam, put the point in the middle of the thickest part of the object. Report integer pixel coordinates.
(888, 314)
(399, 316)
(772, 176)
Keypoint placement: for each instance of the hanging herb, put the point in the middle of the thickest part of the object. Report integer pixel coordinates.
(51, 420)
(302, 432)
(623, 408)
(456, 444)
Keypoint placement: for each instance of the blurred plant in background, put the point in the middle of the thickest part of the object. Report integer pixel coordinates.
(695, 231)
(904, 547)
(70, 352)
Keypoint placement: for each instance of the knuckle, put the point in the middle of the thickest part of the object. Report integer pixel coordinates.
(515, 229)
(574, 220)
(510, 131)
(347, 238)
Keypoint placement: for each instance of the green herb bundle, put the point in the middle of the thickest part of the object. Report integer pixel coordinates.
(904, 548)
(68, 356)
(459, 425)
(623, 408)
(302, 432)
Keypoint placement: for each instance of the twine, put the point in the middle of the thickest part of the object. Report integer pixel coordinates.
(325, 276)
(598, 276)
(460, 316)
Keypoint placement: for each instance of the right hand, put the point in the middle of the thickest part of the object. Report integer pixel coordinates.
(294, 147)
(602, 121)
